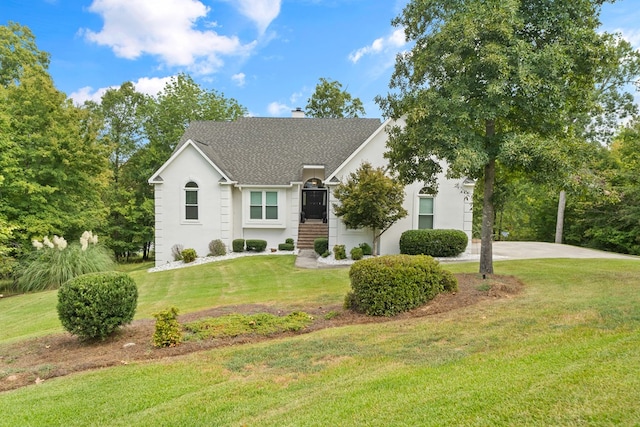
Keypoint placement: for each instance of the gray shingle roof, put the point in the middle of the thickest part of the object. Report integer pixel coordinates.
(272, 151)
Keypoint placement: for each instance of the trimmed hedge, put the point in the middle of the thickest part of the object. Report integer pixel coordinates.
(256, 245)
(321, 245)
(286, 247)
(391, 284)
(94, 305)
(237, 245)
(436, 243)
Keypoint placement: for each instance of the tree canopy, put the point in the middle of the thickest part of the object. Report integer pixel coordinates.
(370, 199)
(494, 81)
(330, 101)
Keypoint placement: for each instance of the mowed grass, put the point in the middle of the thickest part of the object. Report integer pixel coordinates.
(565, 352)
(265, 279)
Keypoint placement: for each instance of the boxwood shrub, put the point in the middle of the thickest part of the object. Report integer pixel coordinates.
(356, 253)
(189, 255)
(237, 245)
(339, 252)
(286, 247)
(321, 245)
(256, 245)
(391, 284)
(437, 243)
(366, 248)
(94, 305)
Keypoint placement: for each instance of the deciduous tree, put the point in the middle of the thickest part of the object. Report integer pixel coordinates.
(330, 101)
(370, 199)
(493, 81)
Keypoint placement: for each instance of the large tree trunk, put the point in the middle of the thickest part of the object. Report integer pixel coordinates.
(562, 201)
(488, 216)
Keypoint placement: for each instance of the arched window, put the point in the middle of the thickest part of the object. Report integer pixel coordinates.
(191, 200)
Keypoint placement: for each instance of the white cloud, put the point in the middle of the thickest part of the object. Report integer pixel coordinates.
(392, 42)
(149, 86)
(262, 12)
(278, 109)
(239, 79)
(165, 29)
(631, 35)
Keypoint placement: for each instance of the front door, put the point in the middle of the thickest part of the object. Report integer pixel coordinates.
(314, 204)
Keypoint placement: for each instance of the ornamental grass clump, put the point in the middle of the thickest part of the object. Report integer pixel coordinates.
(55, 261)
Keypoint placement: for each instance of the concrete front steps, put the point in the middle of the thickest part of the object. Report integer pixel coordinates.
(309, 231)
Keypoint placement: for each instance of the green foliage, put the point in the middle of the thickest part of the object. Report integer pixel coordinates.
(95, 305)
(217, 248)
(436, 243)
(238, 245)
(189, 255)
(256, 245)
(50, 267)
(339, 252)
(330, 101)
(176, 252)
(356, 253)
(448, 281)
(366, 248)
(167, 332)
(234, 325)
(325, 254)
(369, 199)
(392, 284)
(18, 50)
(321, 245)
(490, 83)
(286, 247)
(289, 241)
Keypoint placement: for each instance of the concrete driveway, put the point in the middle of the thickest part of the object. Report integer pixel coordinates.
(530, 250)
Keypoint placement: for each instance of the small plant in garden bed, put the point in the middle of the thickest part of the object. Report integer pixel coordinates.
(234, 325)
(168, 332)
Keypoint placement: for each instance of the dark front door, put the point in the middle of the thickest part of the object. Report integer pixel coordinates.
(314, 204)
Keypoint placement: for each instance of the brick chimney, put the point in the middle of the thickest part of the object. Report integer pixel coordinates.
(297, 113)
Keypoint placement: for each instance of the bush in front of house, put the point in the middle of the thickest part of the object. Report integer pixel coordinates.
(189, 255)
(238, 245)
(436, 243)
(449, 282)
(93, 306)
(256, 245)
(366, 248)
(339, 252)
(167, 332)
(290, 241)
(176, 252)
(321, 245)
(356, 253)
(286, 247)
(217, 248)
(391, 284)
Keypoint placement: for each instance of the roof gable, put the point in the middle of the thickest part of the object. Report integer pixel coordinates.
(273, 151)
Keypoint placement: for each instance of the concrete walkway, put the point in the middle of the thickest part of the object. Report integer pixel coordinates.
(502, 251)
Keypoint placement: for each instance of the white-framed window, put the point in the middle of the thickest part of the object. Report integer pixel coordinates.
(191, 201)
(425, 208)
(263, 205)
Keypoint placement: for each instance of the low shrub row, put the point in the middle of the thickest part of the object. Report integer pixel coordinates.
(436, 243)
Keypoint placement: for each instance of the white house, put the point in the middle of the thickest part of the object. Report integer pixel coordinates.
(272, 179)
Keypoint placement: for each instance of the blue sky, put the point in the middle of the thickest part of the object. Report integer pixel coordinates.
(267, 54)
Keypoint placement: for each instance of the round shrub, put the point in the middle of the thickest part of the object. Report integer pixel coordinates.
(356, 254)
(95, 305)
(289, 241)
(189, 255)
(256, 245)
(391, 284)
(238, 245)
(339, 252)
(321, 245)
(436, 243)
(217, 248)
(366, 249)
(449, 282)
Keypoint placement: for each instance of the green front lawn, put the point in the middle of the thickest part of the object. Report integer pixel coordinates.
(565, 352)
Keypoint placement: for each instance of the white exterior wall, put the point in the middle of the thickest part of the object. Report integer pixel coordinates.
(214, 201)
(452, 206)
